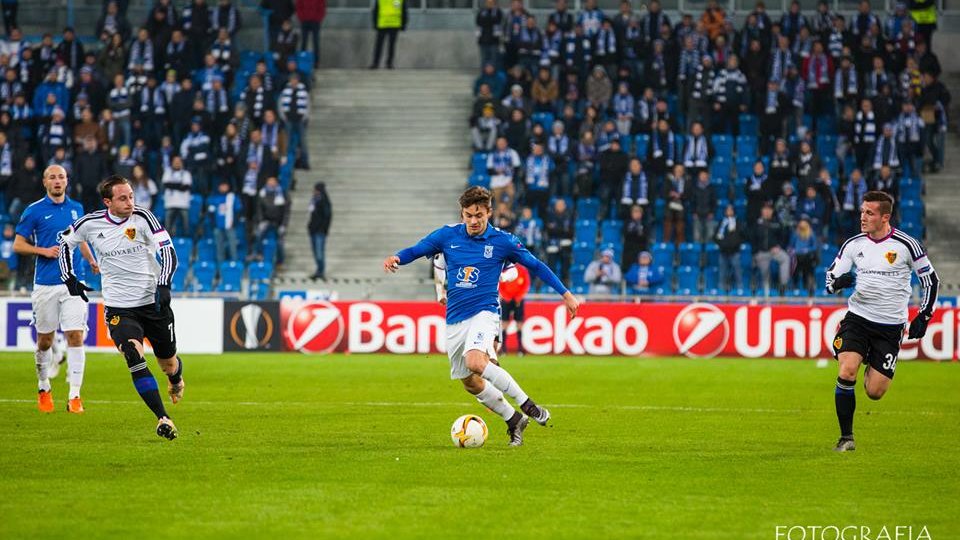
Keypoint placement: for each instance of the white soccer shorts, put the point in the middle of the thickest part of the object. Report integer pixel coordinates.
(53, 308)
(476, 333)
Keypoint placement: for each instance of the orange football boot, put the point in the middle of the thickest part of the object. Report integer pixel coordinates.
(45, 401)
(75, 406)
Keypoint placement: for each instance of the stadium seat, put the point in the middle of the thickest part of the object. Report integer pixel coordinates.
(204, 273)
(827, 124)
(196, 211)
(260, 271)
(585, 230)
(720, 166)
(479, 162)
(722, 146)
(911, 212)
(587, 208)
(910, 189)
(740, 208)
(745, 166)
(746, 259)
(747, 146)
(690, 254)
(612, 233)
(641, 143)
(179, 282)
(268, 249)
(479, 180)
(826, 145)
(576, 274)
(748, 124)
(305, 61)
(711, 278)
(545, 119)
(231, 277)
(583, 252)
(831, 163)
(712, 255)
(663, 254)
(184, 249)
(915, 230)
(207, 250)
(828, 252)
(688, 279)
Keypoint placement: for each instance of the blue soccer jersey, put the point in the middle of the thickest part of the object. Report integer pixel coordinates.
(474, 264)
(41, 223)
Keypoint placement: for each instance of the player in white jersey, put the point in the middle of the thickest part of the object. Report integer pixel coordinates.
(872, 329)
(136, 290)
(38, 233)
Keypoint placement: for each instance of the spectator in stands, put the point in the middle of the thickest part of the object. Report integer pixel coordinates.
(181, 109)
(280, 10)
(284, 45)
(144, 188)
(225, 16)
(90, 168)
(179, 56)
(321, 213)
(177, 186)
(623, 107)
(529, 230)
(311, 14)
(120, 103)
(159, 28)
(674, 189)
(697, 152)
(8, 258)
(559, 227)
(489, 23)
(730, 97)
(502, 166)
(807, 166)
(545, 92)
(805, 248)
(141, 52)
(643, 277)
(8, 159)
(729, 236)
(517, 132)
(197, 152)
(123, 165)
(769, 242)
(614, 165)
(273, 215)
(599, 89)
(295, 113)
(636, 236)
(495, 80)
(703, 204)
(885, 152)
(887, 181)
(635, 191)
(10, 8)
(662, 153)
(225, 55)
(485, 130)
(537, 175)
(934, 103)
(197, 25)
(113, 22)
(812, 208)
(909, 129)
(224, 210)
(24, 188)
(865, 132)
(785, 206)
(256, 99)
(389, 18)
(603, 275)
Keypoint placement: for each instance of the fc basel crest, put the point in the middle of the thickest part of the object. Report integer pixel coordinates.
(838, 343)
(115, 320)
(130, 232)
(891, 256)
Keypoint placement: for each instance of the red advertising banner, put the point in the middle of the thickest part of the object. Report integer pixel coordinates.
(694, 330)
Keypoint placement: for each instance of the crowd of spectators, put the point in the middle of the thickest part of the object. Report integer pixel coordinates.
(696, 143)
(203, 129)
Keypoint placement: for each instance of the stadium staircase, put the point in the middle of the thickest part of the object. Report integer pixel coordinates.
(391, 147)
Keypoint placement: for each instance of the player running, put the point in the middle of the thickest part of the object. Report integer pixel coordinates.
(136, 299)
(871, 331)
(38, 234)
(475, 254)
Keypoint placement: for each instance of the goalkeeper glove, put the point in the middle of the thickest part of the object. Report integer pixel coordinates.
(162, 297)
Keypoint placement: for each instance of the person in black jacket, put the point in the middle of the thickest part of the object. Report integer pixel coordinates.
(24, 188)
(729, 236)
(489, 31)
(321, 214)
(769, 240)
(89, 168)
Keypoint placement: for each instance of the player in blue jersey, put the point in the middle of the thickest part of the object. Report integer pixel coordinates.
(475, 254)
(38, 233)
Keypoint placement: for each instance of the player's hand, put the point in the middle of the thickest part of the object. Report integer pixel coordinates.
(391, 264)
(162, 297)
(918, 326)
(94, 266)
(51, 252)
(840, 282)
(77, 288)
(572, 303)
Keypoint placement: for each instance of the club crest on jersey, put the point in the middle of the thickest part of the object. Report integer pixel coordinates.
(891, 256)
(115, 320)
(130, 232)
(488, 252)
(73, 214)
(467, 277)
(837, 343)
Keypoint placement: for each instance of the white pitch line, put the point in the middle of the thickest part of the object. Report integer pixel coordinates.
(401, 404)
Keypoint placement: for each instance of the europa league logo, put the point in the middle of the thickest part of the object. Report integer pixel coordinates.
(257, 327)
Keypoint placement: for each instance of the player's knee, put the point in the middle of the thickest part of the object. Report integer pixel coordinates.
(473, 384)
(476, 361)
(131, 353)
(74, 338)
(44, 341)
(875, 393)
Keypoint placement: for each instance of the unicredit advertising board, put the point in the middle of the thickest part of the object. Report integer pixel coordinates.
(693, 330)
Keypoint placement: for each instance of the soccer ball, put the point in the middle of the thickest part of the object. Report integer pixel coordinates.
(469, 431)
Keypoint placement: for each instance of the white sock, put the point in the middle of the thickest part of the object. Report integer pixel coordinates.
(493, 399)
(504, 382)
(76, 360)
(43, 359)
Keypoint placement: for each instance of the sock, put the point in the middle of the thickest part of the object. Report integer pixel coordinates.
(519, 338)
(512, 422)
(530, 408)
(143, 380)
(493, 400)
(499, 377)
(846, 402)
(178, 376)
(43, 359)
(76, 360)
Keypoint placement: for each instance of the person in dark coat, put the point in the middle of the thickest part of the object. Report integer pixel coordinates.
(89, 168)
(321, 213)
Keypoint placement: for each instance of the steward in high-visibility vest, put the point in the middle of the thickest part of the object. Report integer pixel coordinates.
(389, 18)
(924, 13)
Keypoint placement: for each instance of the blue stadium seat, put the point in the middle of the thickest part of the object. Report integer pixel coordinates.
(746, 258)
(688, 279)
(690, 254)
(663, 254)
(479, 161)
(747, 146)
(748, 124)
(231, 277)
(179, 282)
(305, 61)
(910, 189)
(545, 119)
(711, 278)
(832, 164)
(196, 210)
(720, 165)
(828, 252)
(740, 208)
(913, 229)
(795, 293)
(911, 212)
(712, 255)
(745, 166)
(626, 144)
(184, 249)
(826, 145)
(722, 146)
(204, 273)
(249, 59)
(576, 274)
(587, 208)
(820, 277)
(611, 232)
(481, 180)
(585, 230)
(260, 271)
(640, 145)
(268, 249)
(583, 253)
(827, 124)
(207, 250)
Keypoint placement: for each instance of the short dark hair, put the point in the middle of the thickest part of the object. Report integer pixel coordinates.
(476, 195)
(106, 187)
(882, 197)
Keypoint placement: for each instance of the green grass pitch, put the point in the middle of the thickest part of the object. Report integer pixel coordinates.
(290, 446)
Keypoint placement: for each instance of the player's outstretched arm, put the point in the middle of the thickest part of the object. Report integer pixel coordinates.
(68, 240)
(839, 276)
(930, 285)
(542, 271)
(427, 247)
